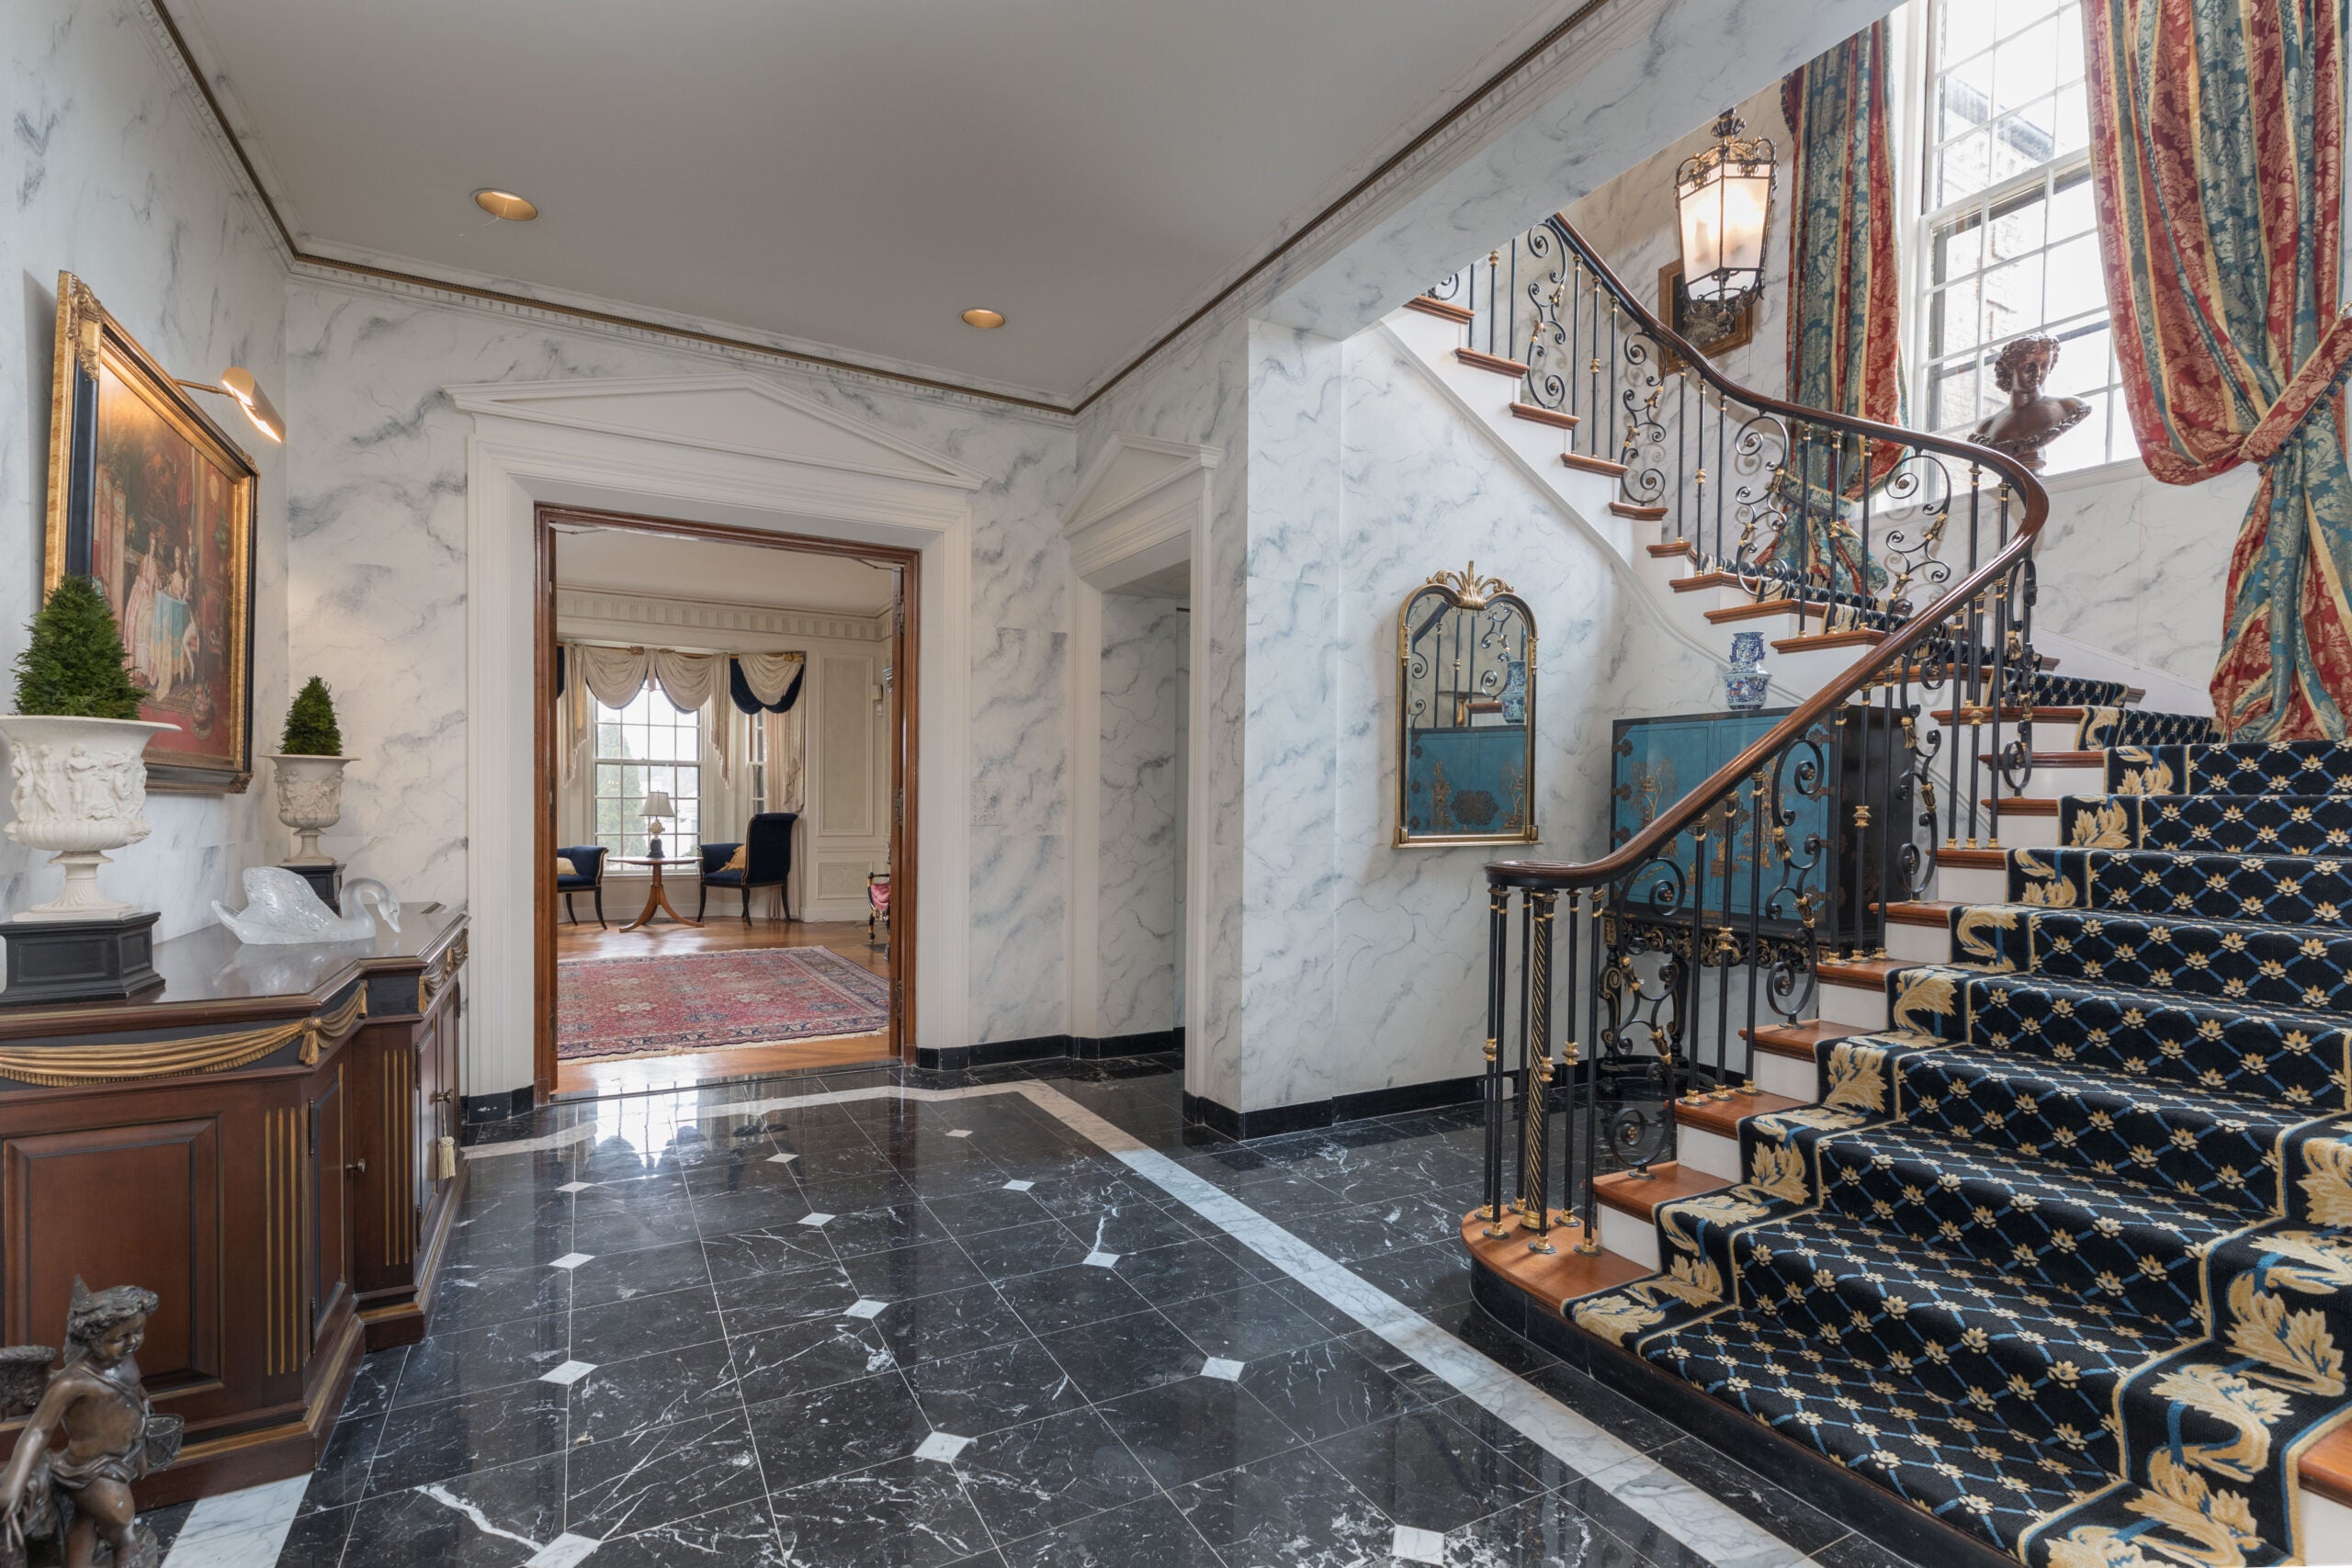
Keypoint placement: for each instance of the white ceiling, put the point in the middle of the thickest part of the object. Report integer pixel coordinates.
(624, 561)
(852, 174)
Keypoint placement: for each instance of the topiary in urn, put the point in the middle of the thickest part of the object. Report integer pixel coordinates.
(309, 771)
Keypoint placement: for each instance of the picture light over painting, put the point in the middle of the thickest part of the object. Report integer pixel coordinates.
(237, 382)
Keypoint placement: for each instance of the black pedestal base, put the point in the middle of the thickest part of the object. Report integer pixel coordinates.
(326, 881)
(80, 961)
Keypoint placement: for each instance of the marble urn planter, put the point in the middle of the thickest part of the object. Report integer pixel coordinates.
(78, 786)
(309, 801)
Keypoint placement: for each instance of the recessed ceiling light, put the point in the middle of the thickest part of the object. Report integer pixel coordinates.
(505, 204)
(984, 319)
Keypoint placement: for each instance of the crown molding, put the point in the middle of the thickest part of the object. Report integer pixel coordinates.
(623, 607)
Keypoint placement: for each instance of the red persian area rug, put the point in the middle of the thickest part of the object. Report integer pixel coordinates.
(689, 1001)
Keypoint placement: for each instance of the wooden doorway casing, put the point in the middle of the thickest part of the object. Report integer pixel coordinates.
(903, 730)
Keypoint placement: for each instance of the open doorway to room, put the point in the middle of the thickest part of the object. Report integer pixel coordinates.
(722, 767)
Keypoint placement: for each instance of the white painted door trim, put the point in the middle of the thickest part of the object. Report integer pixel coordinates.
(1142, 506)
(647, 446)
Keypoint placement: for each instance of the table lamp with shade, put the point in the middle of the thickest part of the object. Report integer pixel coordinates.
(657, 808)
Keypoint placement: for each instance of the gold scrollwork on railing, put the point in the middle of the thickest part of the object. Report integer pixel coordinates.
(57, 1067)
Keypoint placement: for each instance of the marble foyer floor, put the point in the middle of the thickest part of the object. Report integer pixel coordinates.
(1002, 1319)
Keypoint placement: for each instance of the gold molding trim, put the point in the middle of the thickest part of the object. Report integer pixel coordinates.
(59, 1066)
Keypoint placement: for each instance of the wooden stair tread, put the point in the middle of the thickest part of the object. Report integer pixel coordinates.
(2013, 714)
(1696, 581)
(2327, 1467)
(1723, 1116)
(1553, 1278)
(1796, 1041)
(1868, 972)
(1494, 362)
(1629, 1194)
(1673, 547)
(1920, 912)
(2056, 760)
(1445, 309)
(1803, 609)
(1972, 859)
(1638, 514)
(1592, 465)
(1540, 416)
(2028, 806)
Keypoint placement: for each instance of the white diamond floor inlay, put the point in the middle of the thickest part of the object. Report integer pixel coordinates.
(866, 1306)
(1412, 1545)
(1219, 1368)
(816, 1222)
(1100, 1260)
(575, 1187)
(1019, 1186)
(942, 1447)
(572, 1260)
(569, 1373)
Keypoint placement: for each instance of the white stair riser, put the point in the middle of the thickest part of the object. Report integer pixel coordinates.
(2055, 784)
(1863, 1006)
(2327, 1530)
(1972, 884)
(1918, 944)
(1711, 1152)
(1786, 1075)
(2029, 832)
(1629, 1237)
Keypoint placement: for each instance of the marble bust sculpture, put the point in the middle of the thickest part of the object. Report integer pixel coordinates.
(2032, 421)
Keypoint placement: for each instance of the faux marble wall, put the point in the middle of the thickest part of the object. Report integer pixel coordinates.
(112, 177)
(378, 580)
(1141, 893)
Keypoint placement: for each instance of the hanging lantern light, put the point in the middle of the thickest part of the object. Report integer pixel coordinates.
(1723, 196)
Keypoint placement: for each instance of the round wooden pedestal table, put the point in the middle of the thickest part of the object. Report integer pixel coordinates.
(656, 898)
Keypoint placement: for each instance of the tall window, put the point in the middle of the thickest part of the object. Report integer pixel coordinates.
(2009, 233)
(758, 748)
(646, 746)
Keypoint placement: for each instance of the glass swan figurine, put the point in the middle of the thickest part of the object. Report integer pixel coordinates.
(280, 908)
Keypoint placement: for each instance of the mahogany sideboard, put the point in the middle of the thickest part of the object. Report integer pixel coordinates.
(268, 1143)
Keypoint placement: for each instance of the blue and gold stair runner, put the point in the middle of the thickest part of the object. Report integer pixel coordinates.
(2064, 1256)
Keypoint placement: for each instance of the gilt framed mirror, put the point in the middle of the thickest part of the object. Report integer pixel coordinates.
(1465, 680)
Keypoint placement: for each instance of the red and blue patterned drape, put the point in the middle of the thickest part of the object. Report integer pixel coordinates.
(2216, 149)
(1845, 297)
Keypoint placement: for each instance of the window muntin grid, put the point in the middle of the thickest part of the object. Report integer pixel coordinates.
(2010, 237)
(647, 745)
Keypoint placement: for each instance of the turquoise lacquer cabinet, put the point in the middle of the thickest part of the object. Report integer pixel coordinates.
(1857, 762)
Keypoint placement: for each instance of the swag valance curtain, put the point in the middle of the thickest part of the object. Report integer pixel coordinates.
(766, 684)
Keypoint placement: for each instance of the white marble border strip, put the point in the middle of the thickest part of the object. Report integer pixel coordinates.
(1677, 1508)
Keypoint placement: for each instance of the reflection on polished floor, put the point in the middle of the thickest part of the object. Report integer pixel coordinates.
(1010, 1318)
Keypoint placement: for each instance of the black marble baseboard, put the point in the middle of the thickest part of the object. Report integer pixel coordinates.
(1902, 1530)
(1048, 1048)
(1275, 1120)
(502, 1106)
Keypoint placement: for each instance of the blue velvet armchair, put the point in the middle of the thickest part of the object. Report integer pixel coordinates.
(588, 876)
(767, 863)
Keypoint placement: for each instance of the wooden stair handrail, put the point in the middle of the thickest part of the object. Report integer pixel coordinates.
(2016, 481)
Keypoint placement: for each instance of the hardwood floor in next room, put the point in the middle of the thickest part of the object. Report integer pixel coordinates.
(645, 1075)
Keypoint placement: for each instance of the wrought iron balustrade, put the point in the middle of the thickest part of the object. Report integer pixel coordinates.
(1619, 987)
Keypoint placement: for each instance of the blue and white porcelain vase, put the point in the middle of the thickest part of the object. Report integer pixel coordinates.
(1746, 683)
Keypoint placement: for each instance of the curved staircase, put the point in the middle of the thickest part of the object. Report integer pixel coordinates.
(2018, 1225)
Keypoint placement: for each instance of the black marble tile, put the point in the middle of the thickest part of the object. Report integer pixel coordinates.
(1290, 1509)
(771, 1211)
(620, 1331)
(420, 1443)
(1025, 1249)
(340, 1479)
(1150, 1531)
(1426, 1471)
(1131, 1227)
(372, 1384)
(1186, 1270)
(1248, 1324)
(985, 1209)
(649, 1272)
(520, 1247)
(1000, 1386)
(768, 1300)
(925, 1328)
(797, 1357)
(1183, 1431)
(741, 1536)
(1124, 1355)
(1066, 1298)
(852, 1426)
(1366, 1230)
(1859, 1551)
(444, 1366)
(1749, 1494)
(849, 1194)
(1320, 1391)
(1426, 1279)
(317, 1541)
(474, 1298)
(1603, 1405)
(521, 1505)
(910, 1513)
(669, 1385)
(784, 1249)
(905, 1272)
(1029, 1479)
(658, 1476)
(907, 1223)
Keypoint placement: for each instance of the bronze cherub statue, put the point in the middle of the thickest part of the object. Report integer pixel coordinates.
(79, 1497)
(2032, 421)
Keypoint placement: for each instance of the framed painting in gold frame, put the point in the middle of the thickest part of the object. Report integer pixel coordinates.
(153, 501)
(1466, 714)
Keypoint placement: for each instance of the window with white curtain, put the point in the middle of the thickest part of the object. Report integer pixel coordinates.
(647, 745)
(2008, 236)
